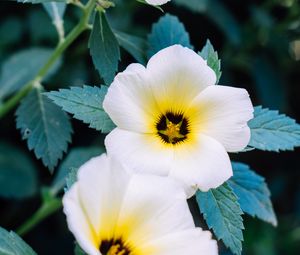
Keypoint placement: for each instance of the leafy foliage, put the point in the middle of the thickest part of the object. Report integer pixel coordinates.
(86, 105)
(75, 158)
(271, 131)
(252, 192)
(39, 1)
(12, 244)
(45, 126)
(134, 45)
(222, 213)
(17, 173)
(71, 178)
(209, 54)
(104, 48)
(193, 5)
(167, 32)
(17, 70)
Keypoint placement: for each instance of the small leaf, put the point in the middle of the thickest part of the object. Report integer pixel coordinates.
(17, 173)
(75, 158)
(45, 126)
(134, 45)
(78, 250)
(252, 192)
(271, 131)
(86, 105)
(167, 32)
(56, 12)
(222, 213)
(12, 244)
(71, 178)
(104, 48)
(17, 70)
(209, 54)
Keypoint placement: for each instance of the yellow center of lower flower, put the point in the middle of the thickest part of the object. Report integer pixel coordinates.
(114, 247)
(172, 128)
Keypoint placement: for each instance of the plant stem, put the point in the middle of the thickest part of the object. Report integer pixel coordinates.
(60, 48)
(47, 208)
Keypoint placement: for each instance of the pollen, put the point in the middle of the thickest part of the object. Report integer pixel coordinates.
(172, 128)
(114, 247)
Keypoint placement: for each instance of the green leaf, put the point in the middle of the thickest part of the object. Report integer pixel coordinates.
(45, 126)
(78, 250)
(86, 105)
(17, 173)
(167, 32)
(252, 192)
(39, 1)
(56, 12)
(222, 213)
(213, 61)
(17, 70)
(75, 158)
(132, 44)
(104, 48)
(271, 131)
(12, 244)
(71, 178)
(193, 5)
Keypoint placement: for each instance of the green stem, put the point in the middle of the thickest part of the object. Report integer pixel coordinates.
(61, 47)
(47, 208)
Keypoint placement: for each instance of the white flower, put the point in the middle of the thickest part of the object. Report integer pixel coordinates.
(112, 213)
(172, 120)
(157, 2)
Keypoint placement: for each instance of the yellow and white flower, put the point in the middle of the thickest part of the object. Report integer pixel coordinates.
(112, 213)
(157, 2)
(173, 120)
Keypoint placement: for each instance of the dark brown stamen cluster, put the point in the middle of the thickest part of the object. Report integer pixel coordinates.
(172, 128)
(114, 247)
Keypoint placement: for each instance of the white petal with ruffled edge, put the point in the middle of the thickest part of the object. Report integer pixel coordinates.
(223, 113)
(157, 2)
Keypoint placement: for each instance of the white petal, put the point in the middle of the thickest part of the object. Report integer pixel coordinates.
(223, 113)
(101, 186)
(157, 2)
(143, 153)
(129, 100)
(78, 222)
(192, 242)
(159, 207)
(202, 165)
(178, 75)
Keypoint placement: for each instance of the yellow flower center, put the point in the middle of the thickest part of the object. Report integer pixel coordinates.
(172, 128)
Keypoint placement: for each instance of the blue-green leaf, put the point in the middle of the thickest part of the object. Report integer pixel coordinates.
(17, 70)
(75, 158)
(71, 178)
(134, 45)
(18, 177)
(12, 244)
(271, 131)
(252, 192)
(193, 5)
(45, 126)
(104, 48)
(213, 61)
(222, 213)
(167, 32)
(86, 105)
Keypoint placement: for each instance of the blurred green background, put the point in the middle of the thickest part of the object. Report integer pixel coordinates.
(259, 45)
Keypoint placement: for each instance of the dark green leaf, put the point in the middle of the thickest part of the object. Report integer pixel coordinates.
(271, 131)
(209, 54)
(104, 48)
(167, 32)
(39, 1)
(17, 70)
(17, 173)
(78, 250)
(134, 45)
(193, 5)
(12, 244)
(86, 105)
(222, 213)
(76, 158)
(45, 126)
(252, 192)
